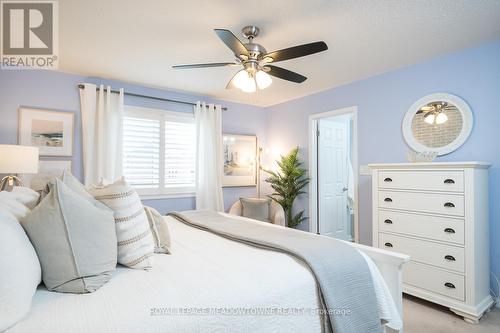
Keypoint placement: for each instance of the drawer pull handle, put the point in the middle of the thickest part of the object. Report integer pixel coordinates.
(449, 258)
(449, 230)
(388, 180)
(449, 181)
(449, 204)
(388, 244)
(449, 285)
(388, 221)
(388, 200)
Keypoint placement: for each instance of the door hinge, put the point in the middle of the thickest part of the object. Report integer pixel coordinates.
(317, 133)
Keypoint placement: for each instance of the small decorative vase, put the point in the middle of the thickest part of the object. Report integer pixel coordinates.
(419, 157)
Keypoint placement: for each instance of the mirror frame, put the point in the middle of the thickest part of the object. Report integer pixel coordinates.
(467, 124)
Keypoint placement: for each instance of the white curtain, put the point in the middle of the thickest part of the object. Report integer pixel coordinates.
(102, 119)
(209, 157)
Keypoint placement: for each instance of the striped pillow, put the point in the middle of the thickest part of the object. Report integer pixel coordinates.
(135, 242)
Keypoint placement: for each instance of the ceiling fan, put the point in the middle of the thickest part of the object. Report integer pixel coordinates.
(434, 113)
(256, 61)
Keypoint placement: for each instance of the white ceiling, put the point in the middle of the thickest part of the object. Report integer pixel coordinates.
(139, 41)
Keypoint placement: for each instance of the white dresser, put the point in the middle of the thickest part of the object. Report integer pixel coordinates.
(438, 214)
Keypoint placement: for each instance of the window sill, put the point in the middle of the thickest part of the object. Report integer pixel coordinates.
(167, 196)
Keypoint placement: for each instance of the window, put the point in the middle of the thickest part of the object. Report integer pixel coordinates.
(159, 151)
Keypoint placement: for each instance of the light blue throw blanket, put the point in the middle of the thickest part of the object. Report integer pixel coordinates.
(343, 279)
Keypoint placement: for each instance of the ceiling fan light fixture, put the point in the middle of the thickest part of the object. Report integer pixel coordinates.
(245, 81)
(263, 79)
(429, 118)
(441, 118)
(250, 87)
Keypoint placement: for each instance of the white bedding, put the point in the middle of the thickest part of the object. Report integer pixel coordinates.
(204, 271)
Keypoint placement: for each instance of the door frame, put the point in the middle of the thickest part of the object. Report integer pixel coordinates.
(313, 165)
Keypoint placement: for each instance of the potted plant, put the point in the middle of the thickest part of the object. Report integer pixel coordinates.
(288, 183)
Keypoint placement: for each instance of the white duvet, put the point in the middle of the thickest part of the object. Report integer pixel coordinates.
(245, 289)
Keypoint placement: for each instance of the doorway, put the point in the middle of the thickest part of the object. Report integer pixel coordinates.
(333, 170)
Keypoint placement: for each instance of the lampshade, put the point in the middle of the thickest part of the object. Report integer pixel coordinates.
(441, 118)
(18, 159)
(263, 79)
(245, 81)
(429, 118)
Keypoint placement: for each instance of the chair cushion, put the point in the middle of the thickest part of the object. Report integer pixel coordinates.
(20, 269)
(256, 208)
(75, 240)
(135, 241)
(159, 230)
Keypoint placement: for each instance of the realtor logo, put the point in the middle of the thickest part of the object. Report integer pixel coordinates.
(29, 34)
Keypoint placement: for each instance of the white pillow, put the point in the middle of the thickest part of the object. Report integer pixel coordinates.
(135, 241)
(21, 272)
(9, 203)
(26, 196)
(159, 230)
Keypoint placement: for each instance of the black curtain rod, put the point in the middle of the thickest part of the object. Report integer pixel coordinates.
(81, 86)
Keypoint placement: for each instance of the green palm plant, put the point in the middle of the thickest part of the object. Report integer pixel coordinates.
(288, 183)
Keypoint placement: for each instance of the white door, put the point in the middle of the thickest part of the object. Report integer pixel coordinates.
(333, 215)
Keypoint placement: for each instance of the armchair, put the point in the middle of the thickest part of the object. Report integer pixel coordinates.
(277, 213)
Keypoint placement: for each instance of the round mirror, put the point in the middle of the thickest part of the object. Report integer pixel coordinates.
(437, 123)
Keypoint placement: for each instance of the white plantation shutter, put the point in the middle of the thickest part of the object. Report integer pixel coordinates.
(159, 151)
(141, 152)
(180, 153)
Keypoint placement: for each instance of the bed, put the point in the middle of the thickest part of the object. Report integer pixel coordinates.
(205, 286)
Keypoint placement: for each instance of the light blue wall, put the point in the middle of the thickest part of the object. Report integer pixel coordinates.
(58, 91)
(472, 74)
(382, 101)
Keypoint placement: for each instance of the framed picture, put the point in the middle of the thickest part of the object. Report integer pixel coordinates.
(240, 160)
(47, 170)
(50, 131)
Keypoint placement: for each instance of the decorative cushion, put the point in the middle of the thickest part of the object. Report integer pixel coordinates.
(256, 208)
(73, 183)
(69, 180)
(75, 240)
(20, 270)
(159, 230)
(135, 242)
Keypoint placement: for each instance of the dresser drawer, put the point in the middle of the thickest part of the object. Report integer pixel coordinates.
(444, 256)
(440, 255)
(435, 280)
(438, 228)
(447, 204)
(447, 181)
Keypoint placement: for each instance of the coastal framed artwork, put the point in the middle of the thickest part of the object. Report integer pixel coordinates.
(47, 170)
(240, 160)
(50, 131)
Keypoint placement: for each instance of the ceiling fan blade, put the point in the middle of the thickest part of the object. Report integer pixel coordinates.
(284, 74)
(297, 51)
(214, 64)
(232, 42)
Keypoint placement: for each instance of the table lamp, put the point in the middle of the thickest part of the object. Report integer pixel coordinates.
(16, 159)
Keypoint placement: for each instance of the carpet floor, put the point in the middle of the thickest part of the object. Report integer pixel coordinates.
(424, 317)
